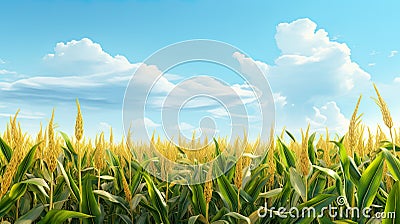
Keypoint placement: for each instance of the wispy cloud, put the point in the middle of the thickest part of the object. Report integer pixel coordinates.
(23, 115)
(393, 53)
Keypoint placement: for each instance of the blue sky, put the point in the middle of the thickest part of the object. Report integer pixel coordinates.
(318, 55)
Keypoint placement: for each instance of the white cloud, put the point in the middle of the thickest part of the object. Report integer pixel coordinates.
(209, 89)
(2, 61)
(248, 64)
(371, 64)
(309, 57)
(6, 72)
(104, 126)
(311, 70)
(84, 57)
(218, 112)
(83, 71)
(183, 126)
(329, 115)
(150, 124)
(393, 53)
(279, 99)
(25, 115)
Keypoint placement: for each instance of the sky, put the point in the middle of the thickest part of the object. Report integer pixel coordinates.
(318, 57)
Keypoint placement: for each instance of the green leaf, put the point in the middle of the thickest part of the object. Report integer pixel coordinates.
(26, 163)
(5, 149)
(393, 164)
(74, 186)
(137, 199)
(349, 167)
(201, 218)
(389, 146)
(59, 216)
(112, 198)
(344, 221)
(228, 192)
(40, 182)
(217, 149)
(393, 205)
(317, 184)
(254, 192)
(338, 184)
(31, 215)
(271, 193)
(255, 177)
(311, 150)
(344, 159)
(369, 182)
(8, 201)
(156, 199)
(290, 135)
(136, 181)
(355, 174)
(238, 216)
(218, 217)
(89, 202)
(297, 182)
(317, 203)
(68, 143)
(286, 155)
(66, 178)
(198, 200)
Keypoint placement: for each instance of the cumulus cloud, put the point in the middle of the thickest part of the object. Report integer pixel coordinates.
(84, 57)
(312, 69)
(329, 115)
(309, 58)
(80, 69)
(279, 99)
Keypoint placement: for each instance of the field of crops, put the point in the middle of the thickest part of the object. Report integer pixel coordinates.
(57, 178)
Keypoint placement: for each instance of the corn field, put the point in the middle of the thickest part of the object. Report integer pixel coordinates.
(57, 178)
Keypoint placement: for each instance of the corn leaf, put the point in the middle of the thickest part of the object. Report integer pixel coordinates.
(198, 200)
(297, 182)
(228, 192)
(31, 215)
(393, 205)
(89, 202)
(393, 164)
(59, 216)
(157, 199)
(5, 149)
(369, 182)
(25, 164)
(286, 155)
